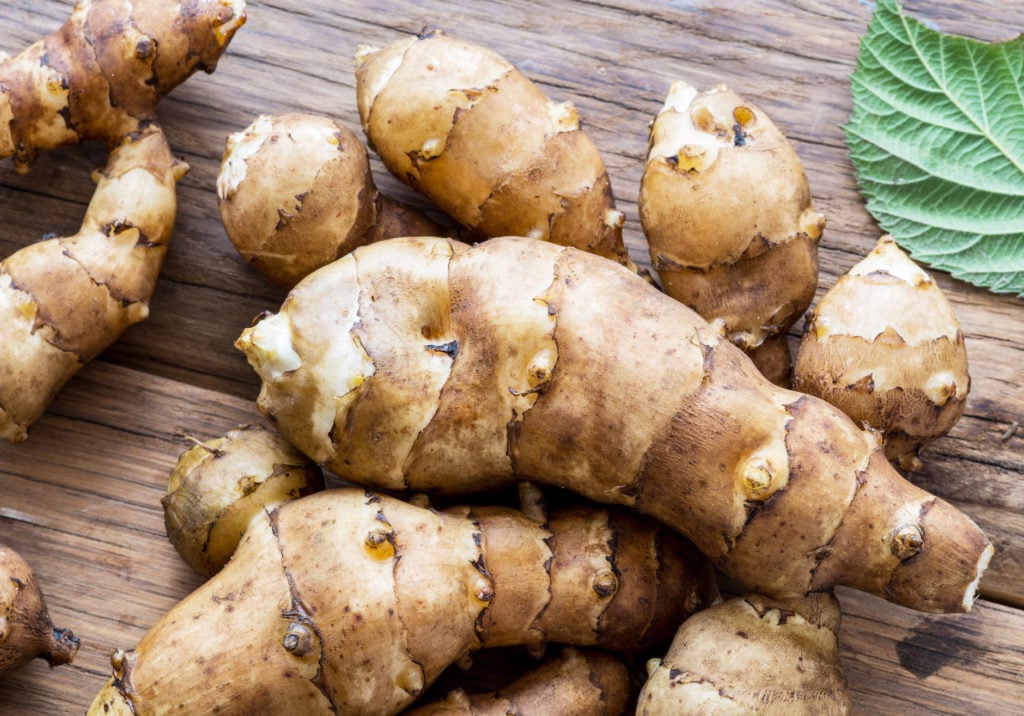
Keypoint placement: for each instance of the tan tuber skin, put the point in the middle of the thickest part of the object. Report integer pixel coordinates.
(577, 681)
(219, 485)
(295, 192)
(428, 365)
(26, 632)
(752, 654)
(899, 366)
(346, 601)
(727, 212)
(99, 77)
(466, 128)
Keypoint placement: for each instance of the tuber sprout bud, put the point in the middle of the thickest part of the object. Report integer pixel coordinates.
(482, 590)
(298, 639)
(379, 544)
(605, 583)
(907, 541)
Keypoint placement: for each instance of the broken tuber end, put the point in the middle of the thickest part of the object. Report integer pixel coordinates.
(63, 648)
(973, 589)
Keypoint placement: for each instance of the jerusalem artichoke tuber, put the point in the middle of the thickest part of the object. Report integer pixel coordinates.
(577, 681)
(899, 366)
(219, 485)
(99, 77)
(469, 130)
(408, 365)
(26, 632)
(727, 212)
(752, 655)
(347, 601)
(295, 192)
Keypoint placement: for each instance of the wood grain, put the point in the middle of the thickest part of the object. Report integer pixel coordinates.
(80, 499)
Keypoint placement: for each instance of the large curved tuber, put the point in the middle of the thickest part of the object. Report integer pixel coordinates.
(410, 364)
(347, 601)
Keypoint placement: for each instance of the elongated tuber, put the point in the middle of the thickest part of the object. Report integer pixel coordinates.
(99, 77)
(577, 681)
(219, 485)
(26, 632)
(347, 601)
(727, 212)
(752, 654)
(475, 135)
(295, 192)
(410, 365)
(884, 346)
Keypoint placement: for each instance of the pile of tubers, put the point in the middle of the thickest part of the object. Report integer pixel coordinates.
(416, 367)
(99, 77)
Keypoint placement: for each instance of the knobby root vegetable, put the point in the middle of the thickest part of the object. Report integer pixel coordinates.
(99, 77)
(752, 655)
(429, 365)
(726, 208)
(346, 601)
(577, 681)
(295, 192)
(884, 345)
(471, 132)
(218, 486)
(26, 632)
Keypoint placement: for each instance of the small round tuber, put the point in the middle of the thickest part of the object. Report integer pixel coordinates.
(884, 346)
(726, 208)
(295, 192)
(219, 485)
(26, 632)
(752, 655)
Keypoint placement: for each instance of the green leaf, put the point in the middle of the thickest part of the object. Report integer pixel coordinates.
(937, 142)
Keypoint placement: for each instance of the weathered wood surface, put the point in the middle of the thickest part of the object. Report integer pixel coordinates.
(80, 499)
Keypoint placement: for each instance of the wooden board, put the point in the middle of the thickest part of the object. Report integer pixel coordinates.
(80, 499)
